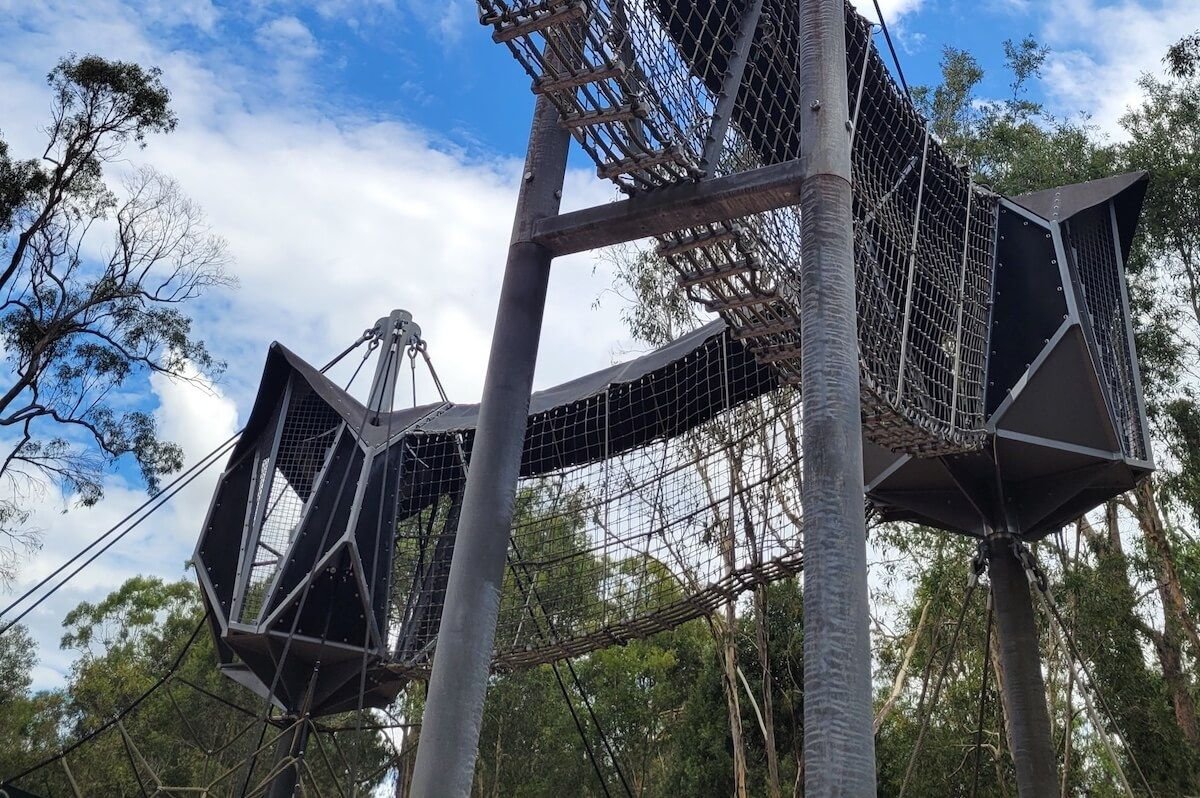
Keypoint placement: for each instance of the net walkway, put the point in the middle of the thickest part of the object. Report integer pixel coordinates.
(656, 93)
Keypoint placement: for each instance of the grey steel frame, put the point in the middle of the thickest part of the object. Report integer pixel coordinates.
(839, 740)
(445, 764)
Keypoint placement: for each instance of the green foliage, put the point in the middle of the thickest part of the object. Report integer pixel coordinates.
(127, 642)
(1183, 59)
(1012, 145)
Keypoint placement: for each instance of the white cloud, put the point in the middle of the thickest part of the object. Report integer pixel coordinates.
(448, 19)
(1100, 50)
(198, 418)
(893, 10)
(289, 38)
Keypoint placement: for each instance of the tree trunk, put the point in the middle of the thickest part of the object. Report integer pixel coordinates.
(768, 702)
(732, 704)
(1171, 659)
(902, 674)
(1177, 623)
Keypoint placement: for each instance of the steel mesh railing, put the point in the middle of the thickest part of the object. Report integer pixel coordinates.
(612, 541)
(285, 475)
(639, 83)
(1091, 244)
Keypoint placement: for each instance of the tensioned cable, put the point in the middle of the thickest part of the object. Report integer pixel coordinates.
(892, 48)
(123, 713)
(158, 500)
(153, 503)
(562, 687)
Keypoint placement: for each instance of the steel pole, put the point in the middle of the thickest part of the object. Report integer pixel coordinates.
(290, 748)
(839, 741)
(458, 684)
(1029, 734)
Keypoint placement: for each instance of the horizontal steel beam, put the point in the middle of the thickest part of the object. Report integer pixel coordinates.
(674, 208)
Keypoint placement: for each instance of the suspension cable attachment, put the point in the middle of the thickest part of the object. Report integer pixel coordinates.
(1033, 571)
(979, 562)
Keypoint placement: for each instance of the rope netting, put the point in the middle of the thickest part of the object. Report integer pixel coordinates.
(649, 87)
(641, 506)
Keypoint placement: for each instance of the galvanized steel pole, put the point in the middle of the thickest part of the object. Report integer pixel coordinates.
(1029, 734)
(454, 709)
(839, 742)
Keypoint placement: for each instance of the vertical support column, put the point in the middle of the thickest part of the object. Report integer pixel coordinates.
(1021, 673)
(291, 746)
(839, 742)
(454, 709)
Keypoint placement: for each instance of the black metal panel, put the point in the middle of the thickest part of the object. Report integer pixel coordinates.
(1061, 398)
(375, 530)
(216, 552)
(1028, 304)
(332, 607)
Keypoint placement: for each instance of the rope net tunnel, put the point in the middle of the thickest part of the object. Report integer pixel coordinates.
(652, 492)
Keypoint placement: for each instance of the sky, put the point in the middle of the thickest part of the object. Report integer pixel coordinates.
(359, 155)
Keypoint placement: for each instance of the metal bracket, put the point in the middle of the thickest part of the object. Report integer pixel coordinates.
(731, 86)
(396, 331)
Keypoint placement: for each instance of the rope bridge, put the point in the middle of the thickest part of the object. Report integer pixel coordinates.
(659, 93)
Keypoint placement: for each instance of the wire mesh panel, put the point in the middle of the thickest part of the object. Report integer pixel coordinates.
(1092, 246)
(643, 504)
(622, 546)
(285, 476)
(646, 86)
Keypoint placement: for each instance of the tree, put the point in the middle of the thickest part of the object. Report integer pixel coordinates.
(82, 319)
(199, 728)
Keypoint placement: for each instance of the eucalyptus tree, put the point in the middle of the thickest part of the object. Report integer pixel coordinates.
(93, 283)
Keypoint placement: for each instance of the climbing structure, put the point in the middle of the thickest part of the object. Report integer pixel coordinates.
(666, 93)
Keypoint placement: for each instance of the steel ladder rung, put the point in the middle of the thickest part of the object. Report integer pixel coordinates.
(512, 25)
(732, 269)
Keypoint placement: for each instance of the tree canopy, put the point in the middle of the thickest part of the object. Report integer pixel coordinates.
(94, 280)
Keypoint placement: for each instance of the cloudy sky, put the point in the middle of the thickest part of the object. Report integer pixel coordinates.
(359, 155)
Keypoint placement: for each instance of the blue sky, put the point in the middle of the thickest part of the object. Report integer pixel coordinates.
(362, 154)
